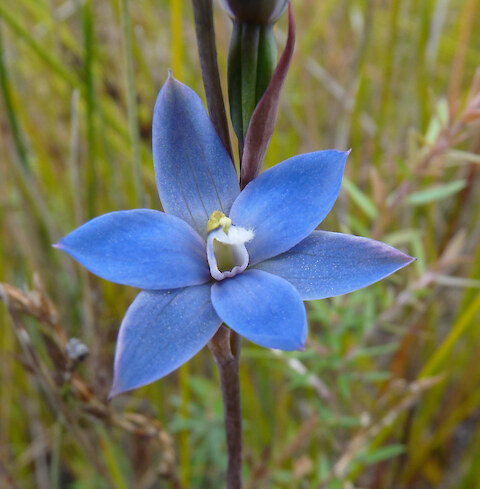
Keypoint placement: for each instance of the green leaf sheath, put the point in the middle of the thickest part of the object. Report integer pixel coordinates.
(251, 62)
(266, 61)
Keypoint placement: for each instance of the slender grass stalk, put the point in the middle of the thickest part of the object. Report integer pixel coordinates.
(55, 460)
(91, 173)
(22, 163)
(388, 71)
(106, 110)
(421, 64)
(76, 183)
(17, 134)
(465, 320)
(184, 436)
(176, 56)
(112, 456)
(458, 65)
(176, 34)
(72, 162)
(133, 128)
(8, 379)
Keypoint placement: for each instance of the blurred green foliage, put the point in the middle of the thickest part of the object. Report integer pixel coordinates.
(386, 394)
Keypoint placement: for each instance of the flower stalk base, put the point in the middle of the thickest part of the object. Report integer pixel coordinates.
(225, 348)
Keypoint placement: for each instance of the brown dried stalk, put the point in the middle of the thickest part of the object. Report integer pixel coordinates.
(36, 304)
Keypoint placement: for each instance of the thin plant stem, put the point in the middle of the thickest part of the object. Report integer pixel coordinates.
(225, 348)
(5, 90)
(132, 109)
(91, 177)
(205, 30)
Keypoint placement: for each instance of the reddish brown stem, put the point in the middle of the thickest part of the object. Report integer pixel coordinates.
(225, 348)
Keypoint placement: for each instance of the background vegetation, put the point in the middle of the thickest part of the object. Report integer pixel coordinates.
(387, 394)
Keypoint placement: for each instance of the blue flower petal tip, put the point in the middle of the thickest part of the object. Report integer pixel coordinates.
(327, 264)
(263, 308)
(162, 330)
(142, 248)
(287, 202)
(113, 393)
(62, 246)
(194, 172)
(116, 390)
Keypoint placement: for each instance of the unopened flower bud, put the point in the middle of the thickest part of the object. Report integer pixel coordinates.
(255, 11)
(252, 59)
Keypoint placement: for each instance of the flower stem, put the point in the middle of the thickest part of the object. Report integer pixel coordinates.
(225, 348)
(205, 31)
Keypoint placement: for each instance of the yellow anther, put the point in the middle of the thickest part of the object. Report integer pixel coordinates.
(218, 219)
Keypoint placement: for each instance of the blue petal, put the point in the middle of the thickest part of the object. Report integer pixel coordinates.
(287, 202)
(160, 332)
(262, 307)
(327, 264)
(142, 248)
(195, 175)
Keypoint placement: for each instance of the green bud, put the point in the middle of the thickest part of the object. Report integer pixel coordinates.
(251, 62)
(255, 11)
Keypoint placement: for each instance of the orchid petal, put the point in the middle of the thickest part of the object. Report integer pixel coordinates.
(328, 264)
(262, 307)
(287, 202)
(160, 331)
(194, 172)
(142, 248)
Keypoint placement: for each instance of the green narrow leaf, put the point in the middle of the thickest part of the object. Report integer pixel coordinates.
(132, 110)
(383, 453)
(436, 193)
(5, 89)
(92, 183)
(365, 204)
(250, 38)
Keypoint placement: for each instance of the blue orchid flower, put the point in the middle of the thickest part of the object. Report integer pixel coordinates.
(217, 254)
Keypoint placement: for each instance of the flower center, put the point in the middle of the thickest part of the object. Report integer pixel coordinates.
(226, 252)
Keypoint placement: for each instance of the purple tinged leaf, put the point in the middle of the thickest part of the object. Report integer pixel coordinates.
(160, 331)
(327, 264)
(262, 123)
(262, 307)
(195, 175)
(143, 248)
